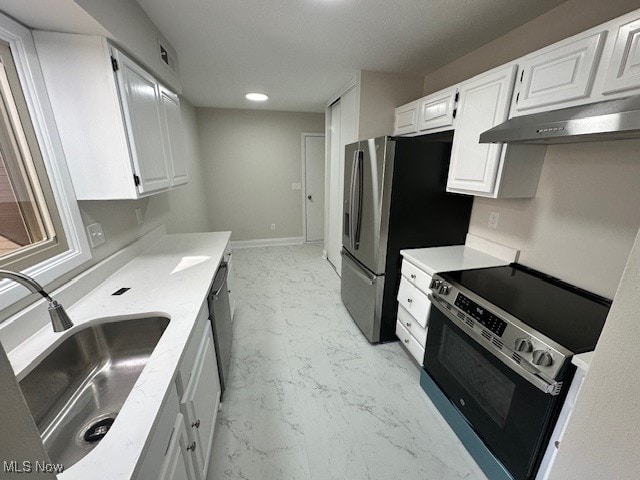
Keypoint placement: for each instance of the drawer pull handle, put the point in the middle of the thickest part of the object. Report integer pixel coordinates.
(409, 300)
(413, 276)
(196, 424)
(408, 324)
(192, 447)
(406, 340)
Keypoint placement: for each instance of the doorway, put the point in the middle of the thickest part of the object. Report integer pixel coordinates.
(313, 186)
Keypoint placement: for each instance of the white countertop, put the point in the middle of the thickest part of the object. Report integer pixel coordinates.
(456, 257)
(582, 360)
(172, 278)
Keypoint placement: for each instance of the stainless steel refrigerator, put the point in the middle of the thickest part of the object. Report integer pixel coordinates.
(394, 198)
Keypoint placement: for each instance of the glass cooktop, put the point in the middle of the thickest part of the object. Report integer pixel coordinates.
(566, 314)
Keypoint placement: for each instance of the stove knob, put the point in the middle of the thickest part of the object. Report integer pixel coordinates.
(542, 358)
(445, 289)
(524, 345)
(435, 285)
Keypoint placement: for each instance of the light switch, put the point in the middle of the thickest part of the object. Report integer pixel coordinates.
(96, 235)
(493, 219)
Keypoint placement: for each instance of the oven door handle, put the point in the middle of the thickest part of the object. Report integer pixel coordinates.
(552, 388)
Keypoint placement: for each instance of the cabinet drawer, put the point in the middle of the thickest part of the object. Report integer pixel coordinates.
(414, 327)
(414, 301)
(416, 277)
(406, 119)
(410, 343)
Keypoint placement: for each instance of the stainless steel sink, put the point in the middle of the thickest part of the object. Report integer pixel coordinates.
(76, 392)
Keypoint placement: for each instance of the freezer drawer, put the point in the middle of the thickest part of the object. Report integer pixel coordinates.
(361, 293)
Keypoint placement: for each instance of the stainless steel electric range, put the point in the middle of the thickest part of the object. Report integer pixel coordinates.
(499, 348)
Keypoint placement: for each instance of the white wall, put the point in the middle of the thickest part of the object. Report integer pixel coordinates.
(132, 29)
(567, 19)
(602, 440)
(582, 223)
(251, 158)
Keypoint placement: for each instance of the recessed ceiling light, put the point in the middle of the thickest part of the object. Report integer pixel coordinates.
(256, 97)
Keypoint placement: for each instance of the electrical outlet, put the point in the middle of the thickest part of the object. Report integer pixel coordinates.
(138, 212)
(493, 219)
(96, 235)
(273, 226)
(296, 186)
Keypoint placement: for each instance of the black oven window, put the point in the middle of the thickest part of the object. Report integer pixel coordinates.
(488, 386)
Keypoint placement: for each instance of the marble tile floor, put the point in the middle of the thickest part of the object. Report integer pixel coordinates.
(309, 398)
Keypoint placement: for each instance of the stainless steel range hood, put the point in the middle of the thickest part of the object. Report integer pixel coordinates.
(610, 120)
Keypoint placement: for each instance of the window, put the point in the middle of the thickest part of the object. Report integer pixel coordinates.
(41, 231)
(30, 228)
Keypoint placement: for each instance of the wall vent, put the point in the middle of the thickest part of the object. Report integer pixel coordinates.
(167, 55)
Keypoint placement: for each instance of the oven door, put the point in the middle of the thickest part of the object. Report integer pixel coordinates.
(511, 416)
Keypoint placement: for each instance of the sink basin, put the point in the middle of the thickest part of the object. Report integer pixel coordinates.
(76, 392)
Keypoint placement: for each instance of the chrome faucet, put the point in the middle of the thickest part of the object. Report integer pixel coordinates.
(59, 318)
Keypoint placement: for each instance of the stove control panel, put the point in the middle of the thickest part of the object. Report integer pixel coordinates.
(487, 319)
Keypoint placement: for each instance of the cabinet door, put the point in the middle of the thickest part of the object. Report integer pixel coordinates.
(177, 463)
(406, 119)
(437, 110)
(140, 98)
(174, 137)
(200, 403)
(559, 74)
(483, 103)
(624, 69)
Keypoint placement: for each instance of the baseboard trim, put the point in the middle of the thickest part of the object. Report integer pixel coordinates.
(266, 242)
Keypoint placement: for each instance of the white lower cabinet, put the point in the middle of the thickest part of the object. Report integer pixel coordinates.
(177, 464)
(200, 402)
(180, 445)
(413, 310)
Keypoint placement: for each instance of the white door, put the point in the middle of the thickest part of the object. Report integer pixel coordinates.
(343, 132)
(140, 97)
(483, 103)
(313, 157)
(174, 137)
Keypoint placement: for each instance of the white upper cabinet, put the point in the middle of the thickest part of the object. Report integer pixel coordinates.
(558, 74)
(120, 128)
(438, 110)
(406, 119)
(174, 136)
(623, 73)
(141, 109)
(483, 103)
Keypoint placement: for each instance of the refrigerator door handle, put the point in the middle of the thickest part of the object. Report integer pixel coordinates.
(357, 194)
(352, 188)
(358, 270)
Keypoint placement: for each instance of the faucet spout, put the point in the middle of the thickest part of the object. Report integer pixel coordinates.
(60, 321)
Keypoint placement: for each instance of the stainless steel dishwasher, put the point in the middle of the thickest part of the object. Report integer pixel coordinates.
(220, 316)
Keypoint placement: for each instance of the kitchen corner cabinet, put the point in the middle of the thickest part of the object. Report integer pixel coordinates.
(486, 169)
(120, 128)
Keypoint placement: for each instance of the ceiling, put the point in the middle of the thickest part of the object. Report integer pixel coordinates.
(301, 52)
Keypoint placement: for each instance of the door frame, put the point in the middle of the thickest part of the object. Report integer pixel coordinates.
(303, 137)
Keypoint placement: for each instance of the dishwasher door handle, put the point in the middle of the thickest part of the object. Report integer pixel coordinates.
(220, 280)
